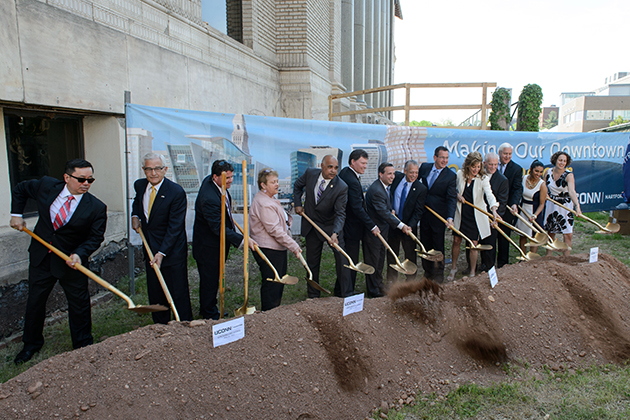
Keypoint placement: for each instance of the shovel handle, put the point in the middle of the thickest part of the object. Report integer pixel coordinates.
(506, 224)
(259, 252)
(389, 248)
(532, 225)
(575, 212)
(450, 227)
(158, 272)
(222, 246)
(336, 246)
(81, 268)
(415, 238)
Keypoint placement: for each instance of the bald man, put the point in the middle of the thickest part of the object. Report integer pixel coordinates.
(325, 198)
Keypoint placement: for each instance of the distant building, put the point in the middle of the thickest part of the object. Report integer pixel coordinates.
(321, 151)
(548, 117)
(377, 154)
(300, 162)
(190, 163)
(239, 136)
(588, 111)
(139, 143)
(405, 143)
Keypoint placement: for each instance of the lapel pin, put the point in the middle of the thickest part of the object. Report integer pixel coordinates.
(161, 196)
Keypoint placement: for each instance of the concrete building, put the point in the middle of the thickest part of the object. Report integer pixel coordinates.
(588, 111)
(67, 67)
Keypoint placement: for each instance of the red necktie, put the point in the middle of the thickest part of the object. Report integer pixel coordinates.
(64, 214)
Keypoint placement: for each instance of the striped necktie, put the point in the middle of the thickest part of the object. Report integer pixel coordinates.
(63, 215)
(320, 190)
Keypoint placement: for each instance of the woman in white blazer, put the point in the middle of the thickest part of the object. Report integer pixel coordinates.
(472, 184)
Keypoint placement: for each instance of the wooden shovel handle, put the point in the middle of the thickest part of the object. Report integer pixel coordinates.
(158, 272)
(336, 246)
(81, 268)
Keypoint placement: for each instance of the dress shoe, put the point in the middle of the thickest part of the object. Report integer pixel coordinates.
(24, 356)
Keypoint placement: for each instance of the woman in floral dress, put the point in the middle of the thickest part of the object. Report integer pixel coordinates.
(561, 187)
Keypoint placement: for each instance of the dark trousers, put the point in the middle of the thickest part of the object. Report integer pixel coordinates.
(271, 292)
(40, 284)
(432, 237)
(176, 279)
(374, 255)
(352, 241)
(488, 258)
(314, 247)
(209, 283)
(395, 240)
(503, 244)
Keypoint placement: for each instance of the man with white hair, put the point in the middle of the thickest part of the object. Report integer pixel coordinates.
(514, 173)
(160, 210)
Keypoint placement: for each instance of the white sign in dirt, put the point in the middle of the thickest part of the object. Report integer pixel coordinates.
(593, 254)
(228, 332)
(493, 277)
(353, 304)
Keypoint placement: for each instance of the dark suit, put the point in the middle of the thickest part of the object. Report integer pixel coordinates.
(441, 197)
(165, 232)
(379, 209)
(206, 246)
(514, 173)
(329, 213)
(412, 210)
(81, 235)
(500, 187)
(358, 223)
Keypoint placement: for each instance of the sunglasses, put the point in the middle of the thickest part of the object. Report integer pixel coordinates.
(82, 180)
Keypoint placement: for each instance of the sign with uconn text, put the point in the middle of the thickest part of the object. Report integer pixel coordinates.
(192, 140)
(228, 332)
(353, 304)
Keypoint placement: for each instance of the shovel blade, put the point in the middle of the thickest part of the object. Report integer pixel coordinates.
(145, 309)
(532, 256)
(365, 268)
(613, 227)
(286, 279)
(429, 256)
(480, 247)
(245, 311)
(317, 286)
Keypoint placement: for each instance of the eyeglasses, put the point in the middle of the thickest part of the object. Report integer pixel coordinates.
(156, 169)
(82, 180)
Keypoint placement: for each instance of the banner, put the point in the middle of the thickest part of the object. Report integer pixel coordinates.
(192, 140)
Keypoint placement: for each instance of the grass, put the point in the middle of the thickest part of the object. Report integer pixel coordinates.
(596, 393)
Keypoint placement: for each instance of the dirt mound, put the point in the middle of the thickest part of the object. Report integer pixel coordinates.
(307, 361)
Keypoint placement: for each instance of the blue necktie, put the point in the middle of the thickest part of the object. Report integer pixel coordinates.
(431, 179)
(401, 204)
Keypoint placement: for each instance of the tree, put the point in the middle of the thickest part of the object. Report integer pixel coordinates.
(423, 123)
(617, 121)
(500, 114)
(551, 121)
(529, 109)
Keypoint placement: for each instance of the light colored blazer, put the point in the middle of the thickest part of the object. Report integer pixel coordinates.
(481, 187)
(268, 224)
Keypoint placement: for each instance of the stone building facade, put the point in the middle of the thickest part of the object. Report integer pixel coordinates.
(67, 66)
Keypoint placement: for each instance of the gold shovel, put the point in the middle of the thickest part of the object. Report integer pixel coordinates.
(431, 255)
(405, 267)
(286, 279)
(309, 279)
(167, 293)
(540, 239)
(141, 309)
(222, 246)
(524, 257)
(478, 247)
(553, 245)
(361, 267)
(609, 228)
(245, 310)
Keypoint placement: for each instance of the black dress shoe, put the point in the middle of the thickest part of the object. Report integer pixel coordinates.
(24, 356)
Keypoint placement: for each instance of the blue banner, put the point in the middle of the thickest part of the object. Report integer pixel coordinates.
(192, 140)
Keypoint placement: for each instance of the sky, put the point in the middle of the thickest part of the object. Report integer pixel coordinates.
(561, 45)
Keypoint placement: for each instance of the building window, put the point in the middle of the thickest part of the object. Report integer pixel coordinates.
(623, 114)
(40, 144)
(598, 115)
(225, 16)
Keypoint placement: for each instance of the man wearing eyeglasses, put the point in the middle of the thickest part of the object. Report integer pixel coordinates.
(160, 210)
(74, 221)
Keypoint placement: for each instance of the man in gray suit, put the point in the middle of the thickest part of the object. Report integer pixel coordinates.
(325, 201)
(379, 208)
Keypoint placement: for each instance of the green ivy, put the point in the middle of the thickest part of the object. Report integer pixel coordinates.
(500, 109)
(529, 109)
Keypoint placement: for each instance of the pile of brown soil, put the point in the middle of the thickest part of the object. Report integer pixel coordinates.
(307, 361)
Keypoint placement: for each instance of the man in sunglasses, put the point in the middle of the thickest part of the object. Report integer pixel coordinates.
(160, 210)
(72, 220)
